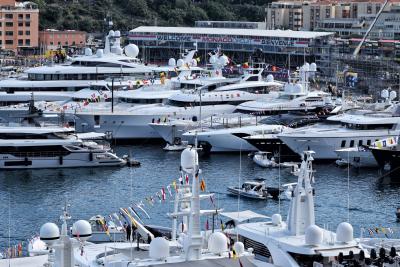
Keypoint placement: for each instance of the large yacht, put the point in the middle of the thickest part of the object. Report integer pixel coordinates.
(344, 130)
(51, 147)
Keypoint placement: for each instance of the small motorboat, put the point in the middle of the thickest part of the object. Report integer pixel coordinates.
(267, 160)
(254, 190)
(176, 146)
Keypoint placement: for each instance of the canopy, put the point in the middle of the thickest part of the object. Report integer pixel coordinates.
(241, 216)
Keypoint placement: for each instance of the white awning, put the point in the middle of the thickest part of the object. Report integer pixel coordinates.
(241, 216)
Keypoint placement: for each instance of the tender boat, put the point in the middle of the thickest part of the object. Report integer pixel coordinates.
(265, 159)
(254, 190)
(359, 157)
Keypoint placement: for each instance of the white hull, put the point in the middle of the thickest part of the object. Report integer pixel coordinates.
(169, 132)
(358, 158)
(135, 125)
(325, 146)
(73, 160)
(226, 143)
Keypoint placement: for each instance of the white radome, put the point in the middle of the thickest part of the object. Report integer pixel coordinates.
(88, 51)
(172, 62)
(81, 229)
(217, 243)
(99, 53)
(189, 158)
(239, 248)
(180, 62)
(159, 248)
(344, 232)
(385, 93)
(270, 78)
(49, 233)
(223, 60)
(276, 219)
(213, 59)
(117, 34)
(314, 235)
(111, 33)
(392, 95)
(131, 50)
(313, 67)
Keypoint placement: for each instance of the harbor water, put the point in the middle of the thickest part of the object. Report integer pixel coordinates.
(30, 198)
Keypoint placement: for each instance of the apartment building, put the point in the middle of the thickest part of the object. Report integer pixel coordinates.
(19, 25)
(51, 39)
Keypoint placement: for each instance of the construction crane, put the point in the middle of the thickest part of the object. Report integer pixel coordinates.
(358, 48)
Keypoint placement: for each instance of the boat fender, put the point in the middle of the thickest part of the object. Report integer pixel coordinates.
(91, 156)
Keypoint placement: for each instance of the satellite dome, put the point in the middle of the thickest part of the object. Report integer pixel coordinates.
(49, 233)
(270, 78)
(344, 232)
(189, 158)
(172, 62)
(131, 50)
(298, 88)
(82, 230)
(213, 59)
(111, 33)
(239, 248)
(180, 62)
(117, 34)
(385, 93)
(88, 51)
(217, 243)
(159, 248)
(306, 66)
(99, 53)
(392, 95)
(313, 67)
(223, 60)
(314, 235)
(276, 219)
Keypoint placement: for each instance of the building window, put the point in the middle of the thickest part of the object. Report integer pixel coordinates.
(9, 33)
(20, 42)
(27, 42)
(9, 16)
(9, 24)
(20, 24)
(9, 42)
(1, 33)
(20, 16)
(27, 24)
(20, 32)
(59, 43)
(28, 32)
(27, 16)
(51, 43)
(66, 42)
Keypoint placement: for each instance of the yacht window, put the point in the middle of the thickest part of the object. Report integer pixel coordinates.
(252, 79)
(352, 143)
(343, 143)
(97, 119)
(368, 142)
(360, 142)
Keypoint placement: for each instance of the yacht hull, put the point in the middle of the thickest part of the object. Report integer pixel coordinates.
(325, 146)
(385, 156)
(73, 160)
(358, 158)
(275, 146)
(225, 143)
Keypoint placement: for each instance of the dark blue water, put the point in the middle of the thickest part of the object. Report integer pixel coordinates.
(31, 198)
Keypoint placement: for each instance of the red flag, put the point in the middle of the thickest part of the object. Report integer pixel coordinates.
(187, 179)
(163, 194)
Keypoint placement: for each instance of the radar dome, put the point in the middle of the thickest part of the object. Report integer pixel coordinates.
(82, 230)
(159, 248)
(180, 62)
(131, 50)
(239, 248)
(88, 51)
(172, 62)
(270, 78)
(392, 95)
(344, 232)
(385, 93)
(213, 59)
(217, 243)
(314, 235)
(117, 34)
(99, 53)
(276, 219)
(313, 67)
(111, 33)
(298, 88)
(189, 159)
(223, 60)
(49, 233)
(306, 66)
